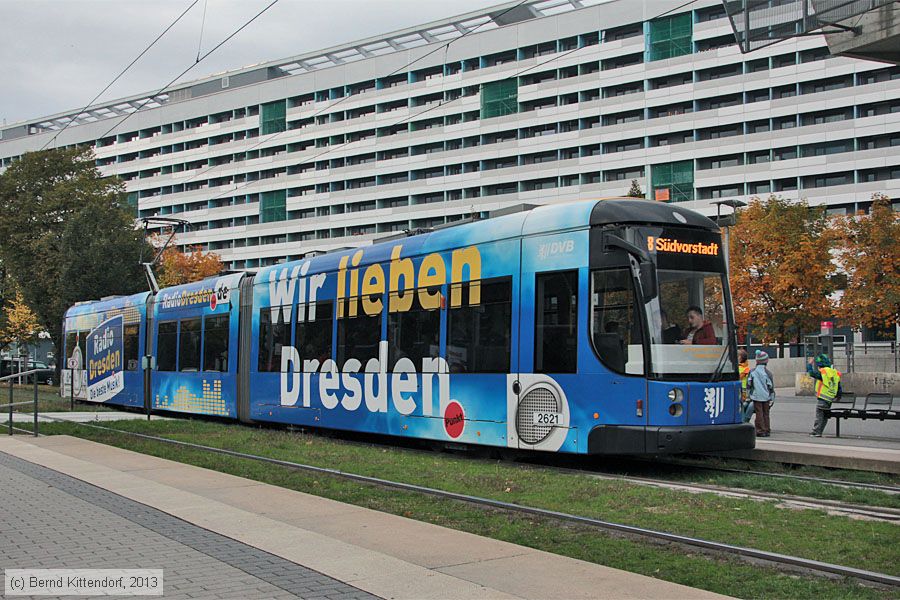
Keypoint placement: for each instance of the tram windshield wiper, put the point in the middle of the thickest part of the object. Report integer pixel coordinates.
(720, 366)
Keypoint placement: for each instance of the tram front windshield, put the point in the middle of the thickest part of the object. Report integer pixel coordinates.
(686, 325)
(689, 325)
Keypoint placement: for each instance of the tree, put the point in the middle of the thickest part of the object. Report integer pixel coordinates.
(66, 234)
(782, 275)
(20, 326)
(868, 252)
(184, 267)
(635, 190)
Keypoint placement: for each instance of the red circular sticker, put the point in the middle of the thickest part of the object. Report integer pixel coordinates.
(213, 301)
(454, 419)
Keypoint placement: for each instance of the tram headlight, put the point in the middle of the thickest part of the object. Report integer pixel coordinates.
(675, 409)
(676, 395)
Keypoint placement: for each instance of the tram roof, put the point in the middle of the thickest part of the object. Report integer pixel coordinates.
(94, 306)
(540, 220)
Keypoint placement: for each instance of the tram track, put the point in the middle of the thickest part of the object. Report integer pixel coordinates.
(890, 489)
(834, 507)
(630, 530)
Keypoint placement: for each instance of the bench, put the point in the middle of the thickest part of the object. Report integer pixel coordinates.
(878, 405)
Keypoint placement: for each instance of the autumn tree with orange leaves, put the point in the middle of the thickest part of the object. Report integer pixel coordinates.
(868, 251)
(178, 267)
(782, 275)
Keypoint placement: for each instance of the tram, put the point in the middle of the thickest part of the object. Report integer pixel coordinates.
(595, 327)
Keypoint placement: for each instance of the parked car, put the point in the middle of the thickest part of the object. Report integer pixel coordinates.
(45, 374)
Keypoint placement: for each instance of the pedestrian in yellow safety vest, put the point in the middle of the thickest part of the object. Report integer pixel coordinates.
(744, 371)
(828, 388)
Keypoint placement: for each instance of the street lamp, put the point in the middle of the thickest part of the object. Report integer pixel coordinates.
(729, 219)
(727, 222)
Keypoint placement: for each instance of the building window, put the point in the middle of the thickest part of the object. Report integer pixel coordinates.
(272, 118)
(669, 37)
(673, 182)
(817, 181)
(499, 98)
(272, 206)
(132, 202)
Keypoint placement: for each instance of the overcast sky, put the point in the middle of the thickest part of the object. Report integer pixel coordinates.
(58, 54)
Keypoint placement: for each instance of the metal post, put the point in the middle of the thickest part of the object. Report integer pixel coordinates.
(72, 390)
(10, 404)
(35, 406)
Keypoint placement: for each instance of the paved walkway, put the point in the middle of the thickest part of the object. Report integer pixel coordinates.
(793, 416)
(51, 520)
(217, 535)
(869, 445)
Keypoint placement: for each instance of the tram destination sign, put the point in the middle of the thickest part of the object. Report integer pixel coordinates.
(682, 248)
(105, 352)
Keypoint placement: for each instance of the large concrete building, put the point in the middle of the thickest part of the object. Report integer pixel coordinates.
(546, 101)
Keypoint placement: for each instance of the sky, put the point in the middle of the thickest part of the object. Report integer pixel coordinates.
(58, 54)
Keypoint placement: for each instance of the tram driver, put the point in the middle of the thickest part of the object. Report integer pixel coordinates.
(699, 331)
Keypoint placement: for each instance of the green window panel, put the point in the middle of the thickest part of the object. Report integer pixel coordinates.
(499, 98)
(273, 117)
(273, 206)
(132, 201)
(673, 182)
(669, 37)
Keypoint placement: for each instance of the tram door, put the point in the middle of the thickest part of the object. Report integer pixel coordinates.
(553, 283)
(548, 355)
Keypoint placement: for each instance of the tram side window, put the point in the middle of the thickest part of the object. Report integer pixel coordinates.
(70, 344)
(313, 335)
(274, 334)
(215, 343)
(615, 327)
(416, 333)
(556, 322)
(479, 337)
(82, 349)
(167, 345)
(130, 347)
(189, 346)
(358, 336)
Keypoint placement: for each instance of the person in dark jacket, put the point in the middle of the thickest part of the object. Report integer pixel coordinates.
(699, 331)
(671, 333)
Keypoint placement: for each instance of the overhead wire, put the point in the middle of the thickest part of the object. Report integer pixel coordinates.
(125, 70)
(445, 46)
(202, 26)
(188, 69)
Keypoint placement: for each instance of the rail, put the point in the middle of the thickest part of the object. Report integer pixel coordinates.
(11, 404)
(744, 552)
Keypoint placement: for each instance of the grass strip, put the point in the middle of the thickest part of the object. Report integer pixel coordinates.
(721, 574)
(763, 525)
(49, 400)
(778, 485)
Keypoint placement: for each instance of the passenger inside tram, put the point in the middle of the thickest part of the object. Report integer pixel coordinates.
(671, 333)
(699, 331)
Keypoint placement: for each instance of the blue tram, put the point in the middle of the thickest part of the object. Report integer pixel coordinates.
(600, 327)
